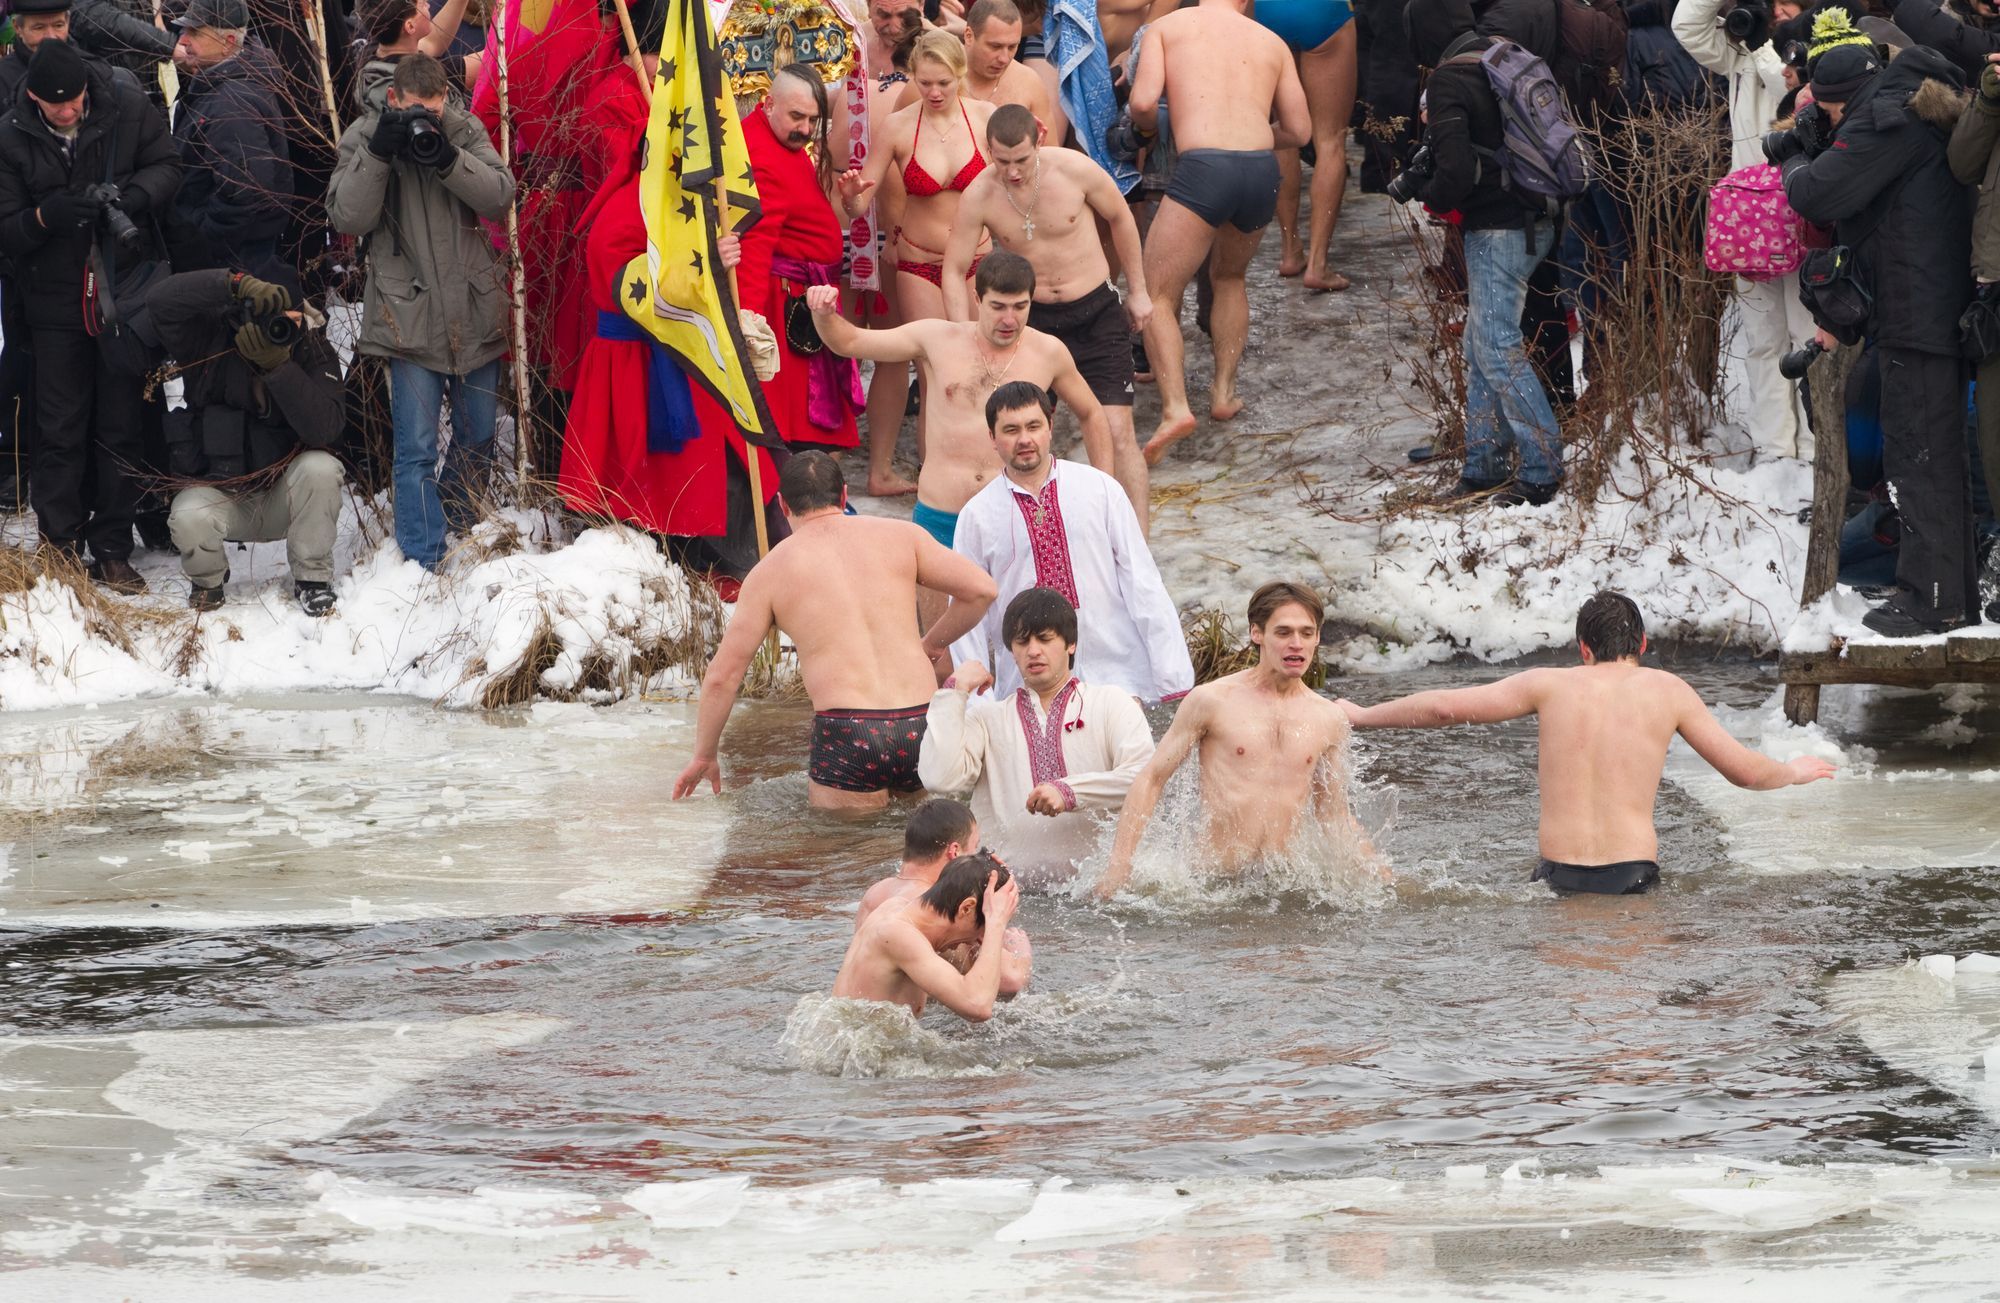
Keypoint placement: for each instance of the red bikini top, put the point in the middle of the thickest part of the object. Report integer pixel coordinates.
(921, 183)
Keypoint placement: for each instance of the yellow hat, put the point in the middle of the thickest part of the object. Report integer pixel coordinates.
(1831, 29)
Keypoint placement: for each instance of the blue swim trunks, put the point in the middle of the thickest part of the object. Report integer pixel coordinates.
(1304, 24)
(941, 525)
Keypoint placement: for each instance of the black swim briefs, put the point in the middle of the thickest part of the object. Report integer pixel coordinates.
(867, 750)
(1093, 329)
(1626, 878)
(1238, 186)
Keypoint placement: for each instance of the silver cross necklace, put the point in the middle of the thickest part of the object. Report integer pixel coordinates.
(1028, 217)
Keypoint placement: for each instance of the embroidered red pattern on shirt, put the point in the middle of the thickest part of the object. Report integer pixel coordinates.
(1045, 753)
(1042, 514)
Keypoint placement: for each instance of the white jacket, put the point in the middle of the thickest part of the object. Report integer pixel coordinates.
(1756, 77)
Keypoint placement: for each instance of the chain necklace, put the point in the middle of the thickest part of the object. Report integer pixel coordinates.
(989, 381)
(1028, 217)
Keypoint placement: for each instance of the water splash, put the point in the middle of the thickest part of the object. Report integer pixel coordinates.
(872, 1038)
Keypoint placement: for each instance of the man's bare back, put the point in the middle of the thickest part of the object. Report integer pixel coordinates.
(1223, 72)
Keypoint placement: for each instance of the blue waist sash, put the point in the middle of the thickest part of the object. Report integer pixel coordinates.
(670, 418)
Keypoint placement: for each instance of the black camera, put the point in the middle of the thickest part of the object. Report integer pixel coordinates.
(1415, 177)
(1794, 365)
(1123, 140)
(129, 237)
(276, 326)
(427, 143)
(1748, 23)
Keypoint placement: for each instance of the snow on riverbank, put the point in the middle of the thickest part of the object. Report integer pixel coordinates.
(515, 611)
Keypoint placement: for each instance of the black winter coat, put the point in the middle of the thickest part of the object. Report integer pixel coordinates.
(122, 127)
(300, 404)
(1464, 119)
(228, 125)
(1659, 72)
(119, 36)
(1946, 30)
(1886, 188)
(1534, 25)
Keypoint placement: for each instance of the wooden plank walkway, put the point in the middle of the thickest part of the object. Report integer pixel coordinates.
(1971, 656)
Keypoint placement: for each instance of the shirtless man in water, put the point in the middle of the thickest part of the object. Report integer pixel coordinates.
(844, 590)
(897, 956)
(1227, 79)
(960, 365)
(940, 831)
(1269, 747)
(992, 74)
(1044, 204)
(1605, 727)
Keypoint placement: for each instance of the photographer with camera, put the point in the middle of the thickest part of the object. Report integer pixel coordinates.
(262, 407)
(416, 175)
(1732, 38)
(85, 162)
(1868, 158)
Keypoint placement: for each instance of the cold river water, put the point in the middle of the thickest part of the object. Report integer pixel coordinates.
(349, 997)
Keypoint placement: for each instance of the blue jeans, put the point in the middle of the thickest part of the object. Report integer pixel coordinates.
(1504, 402)
(426, 502)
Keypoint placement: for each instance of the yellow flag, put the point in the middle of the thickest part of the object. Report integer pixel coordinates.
(679, 291)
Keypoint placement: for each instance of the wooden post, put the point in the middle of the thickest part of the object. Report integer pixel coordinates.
(1829, 506)
(517, 287)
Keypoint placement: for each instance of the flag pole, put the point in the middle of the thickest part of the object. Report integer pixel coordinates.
(751, 460)
(632, 58)
(517, 288)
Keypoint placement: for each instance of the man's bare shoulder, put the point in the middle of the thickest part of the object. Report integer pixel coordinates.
(880, 894)
(1048, 351)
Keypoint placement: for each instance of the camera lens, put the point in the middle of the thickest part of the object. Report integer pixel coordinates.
(426, 141)
(280, 329)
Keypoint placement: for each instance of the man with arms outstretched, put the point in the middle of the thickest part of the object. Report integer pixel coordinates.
(1044, 204)
(1270, 747)
(844, 590)
(1228, 80)
(1605, 727)
(896, 956)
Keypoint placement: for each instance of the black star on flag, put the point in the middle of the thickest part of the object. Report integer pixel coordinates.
(687, 209)
(696, 262)
(637, 289)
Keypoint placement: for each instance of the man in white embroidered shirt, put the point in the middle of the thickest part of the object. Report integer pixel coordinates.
(1066, 526)
(1039, 760)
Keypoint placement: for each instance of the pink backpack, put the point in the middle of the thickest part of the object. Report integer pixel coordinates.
(1752, 231)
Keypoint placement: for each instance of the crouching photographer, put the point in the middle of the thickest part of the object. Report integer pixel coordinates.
(263, 405)
(1898, 274)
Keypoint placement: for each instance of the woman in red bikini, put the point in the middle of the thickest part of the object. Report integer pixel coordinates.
(934, 145)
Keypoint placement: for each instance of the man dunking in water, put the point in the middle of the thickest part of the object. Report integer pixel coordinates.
(897, 955)
(1270, 747)
(940, 831)
(1043, 204)
(1227, 79)
(1605, 727)
(844, 590)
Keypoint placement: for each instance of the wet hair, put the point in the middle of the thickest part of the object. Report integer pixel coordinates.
(1008, 273)
(991, 11)
(1015, 395)
(935, 825)
(810, 481)
(1610, 624)
(965, 879)
(1039, 610)
(807, 76)
(1264, 603)
(940, 47)
(418, 76)
(1010, 125)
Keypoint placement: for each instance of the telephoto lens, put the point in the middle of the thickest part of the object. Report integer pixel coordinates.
(427, 141)
(1795, 364)
(279, 329)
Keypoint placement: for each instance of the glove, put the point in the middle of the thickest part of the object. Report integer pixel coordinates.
(69, 210)
(263, 297)
(392, 133)
(1781, 145)
(1989, 83)
(447, 155)
(258, 350)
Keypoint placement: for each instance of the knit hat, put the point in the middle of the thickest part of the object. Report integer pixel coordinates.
(57, 74)
(1831, 30)
(38, 7)
(1843, 70)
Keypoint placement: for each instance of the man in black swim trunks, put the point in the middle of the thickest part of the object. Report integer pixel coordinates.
(1044, 204)
(1605, 728)
(1227, 79)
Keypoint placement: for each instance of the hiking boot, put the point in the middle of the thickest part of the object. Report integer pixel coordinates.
(1894, 619)
(315, 599)
(205, 599)
(1539, 495)
(117, 575)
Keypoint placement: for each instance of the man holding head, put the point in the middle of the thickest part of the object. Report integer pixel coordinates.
(897, 956)
(1055, 524)
(844, 590)
(1037, 762)
(938, 832)
(1271, 748)
(1605, 727)
(992, 74)
(1045, 204)
(960, 364)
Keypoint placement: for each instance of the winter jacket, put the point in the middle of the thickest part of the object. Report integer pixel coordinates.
(1886, 187)
(1533, 25)
(1976, 161)
(238, 179)
(1464, 118)
(119, 36)
(436, 292)
(1756, 77)
(14, 71)
(123, 127)
(1964, 40)
(240, 420)
(1659, 72)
